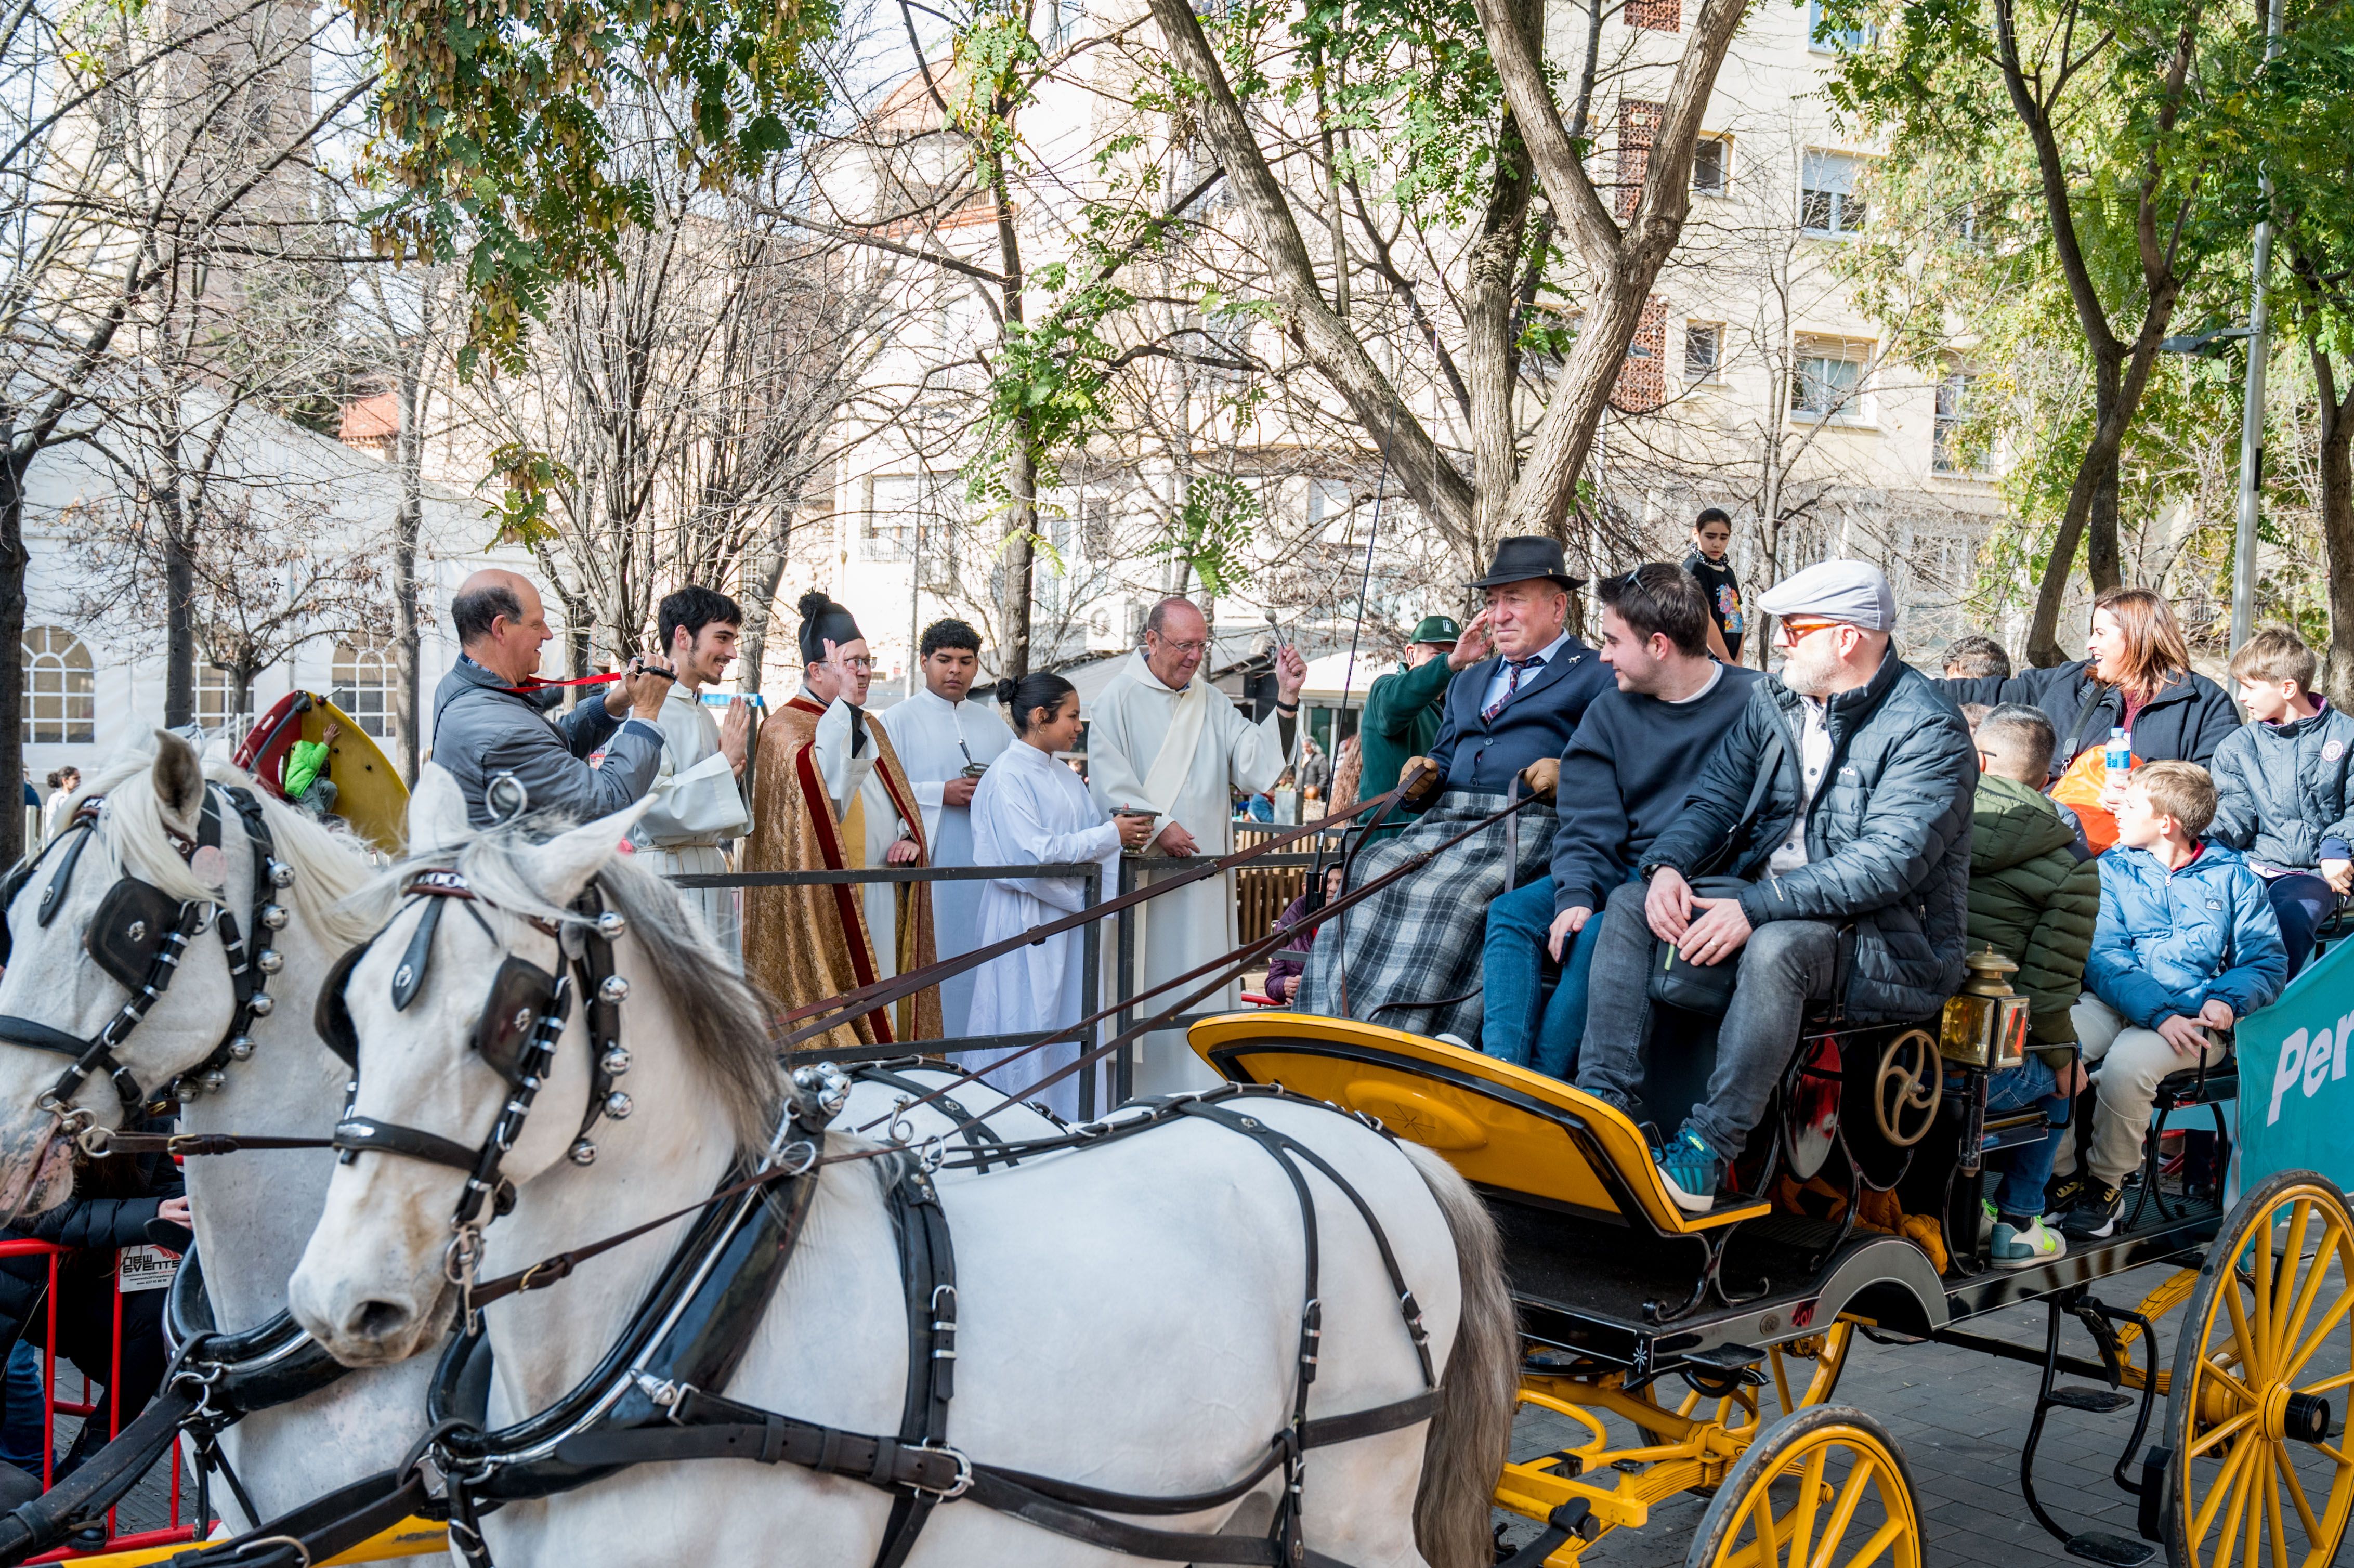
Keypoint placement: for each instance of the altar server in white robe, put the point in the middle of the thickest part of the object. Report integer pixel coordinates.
(698, 809)
(945, 743)
(1031, 810)
(1162, 738)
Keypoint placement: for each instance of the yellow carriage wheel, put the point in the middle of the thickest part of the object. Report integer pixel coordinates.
(1828, 1351)
(2262, 1477)
(1824, 1488)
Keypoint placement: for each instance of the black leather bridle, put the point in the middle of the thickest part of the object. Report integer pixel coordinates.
(138, 936)
(515, 1033)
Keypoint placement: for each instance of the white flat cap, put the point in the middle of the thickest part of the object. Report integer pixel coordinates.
(1853, 591)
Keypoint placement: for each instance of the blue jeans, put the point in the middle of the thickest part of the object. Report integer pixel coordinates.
(24, 1402)
(2030, 1169)
(2301, 902)
(1516, 1015)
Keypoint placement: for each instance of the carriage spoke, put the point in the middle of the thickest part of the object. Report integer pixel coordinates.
(1769, 1539)
(2245, 1344)
(2260, 1363)
(2276, 1519)
(1802, 1515)
(2231, 1385)
(2314, 1340)
(2222, 1431)
(1871, 1552)
(2277, 1315)
(2242, 1488)
(2217, 1495)
(2303, 1508)
(1858, 1481)
(1781, 1378)
(2293, 1319)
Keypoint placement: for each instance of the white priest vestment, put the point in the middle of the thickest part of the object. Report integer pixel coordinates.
(1032, 809)
(870, 820)
(698, 809)
(1180, 753)
(936, 740)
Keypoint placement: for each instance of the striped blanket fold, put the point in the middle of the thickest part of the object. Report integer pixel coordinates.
(1419, 941)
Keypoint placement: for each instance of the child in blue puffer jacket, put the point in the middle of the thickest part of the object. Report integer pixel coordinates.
(2187, 942)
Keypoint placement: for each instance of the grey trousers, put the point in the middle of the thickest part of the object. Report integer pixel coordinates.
(1784, 965)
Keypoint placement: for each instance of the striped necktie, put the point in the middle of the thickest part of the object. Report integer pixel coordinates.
(1512, 685)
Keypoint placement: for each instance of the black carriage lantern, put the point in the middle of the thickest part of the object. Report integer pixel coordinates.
(1985, 1021)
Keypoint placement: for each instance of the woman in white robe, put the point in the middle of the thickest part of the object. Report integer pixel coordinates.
(1031, 809)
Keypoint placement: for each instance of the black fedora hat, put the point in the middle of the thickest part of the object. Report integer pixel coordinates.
(1526, 556)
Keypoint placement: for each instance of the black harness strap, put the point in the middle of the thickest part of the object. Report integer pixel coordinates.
(103, 1480)
(976, 1131)
(928, 1267)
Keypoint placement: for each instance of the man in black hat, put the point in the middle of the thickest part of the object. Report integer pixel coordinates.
(1411, 954)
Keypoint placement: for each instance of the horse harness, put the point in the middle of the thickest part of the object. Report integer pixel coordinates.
(138, 936)
(516, 1033)
(979, 1136)
(651, 1399)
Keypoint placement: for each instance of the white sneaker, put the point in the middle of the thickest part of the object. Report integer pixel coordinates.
(1455, 1040)
(2015, 1248)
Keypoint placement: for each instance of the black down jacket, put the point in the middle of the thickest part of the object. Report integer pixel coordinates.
(2188, 719)
(1888, 834)
(95, 1226)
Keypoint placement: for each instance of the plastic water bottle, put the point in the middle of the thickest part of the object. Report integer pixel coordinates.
(2118, 758)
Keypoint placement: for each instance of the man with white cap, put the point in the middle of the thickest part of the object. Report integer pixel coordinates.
(1840, 797)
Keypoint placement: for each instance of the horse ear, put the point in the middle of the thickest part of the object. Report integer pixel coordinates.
(567, 862)
(436, 812)
(179, 778)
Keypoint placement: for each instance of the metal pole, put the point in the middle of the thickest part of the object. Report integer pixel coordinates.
(914, 602)
(1123, 1066)
(2252, 411)
(1090, 957)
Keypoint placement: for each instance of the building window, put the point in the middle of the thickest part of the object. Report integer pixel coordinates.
(892, 517)
(1828, 204)
(216, 700)
(1826, 39)
(60, 691)
(1826, 379)
(360, 683)
(1950, 450)
(1712, 165)
(1704, 351)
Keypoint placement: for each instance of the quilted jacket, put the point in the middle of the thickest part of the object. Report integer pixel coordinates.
(2033, 901)
(1887, 834)
(2282, 790)
(2167, 940)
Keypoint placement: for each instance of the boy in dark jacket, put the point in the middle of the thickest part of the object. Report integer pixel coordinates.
(2281, 787)
(2187, 942)
(2032, 901)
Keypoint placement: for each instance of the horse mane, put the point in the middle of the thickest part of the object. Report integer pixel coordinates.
(329, 865)
(723, 1019)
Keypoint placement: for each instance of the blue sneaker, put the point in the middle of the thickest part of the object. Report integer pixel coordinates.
(1692, 1171)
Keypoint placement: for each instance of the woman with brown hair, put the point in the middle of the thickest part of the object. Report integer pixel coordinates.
(2138, 678)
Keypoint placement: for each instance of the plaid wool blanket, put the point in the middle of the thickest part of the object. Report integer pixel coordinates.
(1419, 939)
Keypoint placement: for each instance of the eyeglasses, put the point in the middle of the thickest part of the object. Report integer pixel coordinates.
(1795, 630)
(855, 661)
(1195, 648)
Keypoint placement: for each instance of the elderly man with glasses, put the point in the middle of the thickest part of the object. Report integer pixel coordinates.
(1161, 739)
(1840, 801)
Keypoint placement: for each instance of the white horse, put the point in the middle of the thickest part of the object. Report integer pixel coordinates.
(1128, 1319)
(252, 1212)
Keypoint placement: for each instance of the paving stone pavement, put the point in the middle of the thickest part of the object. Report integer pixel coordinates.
(1959, 1417)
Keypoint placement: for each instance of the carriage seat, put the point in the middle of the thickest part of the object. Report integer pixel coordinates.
(1509, 1129)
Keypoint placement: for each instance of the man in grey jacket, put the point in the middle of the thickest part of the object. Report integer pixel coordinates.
(490, 727)
(1862, 819)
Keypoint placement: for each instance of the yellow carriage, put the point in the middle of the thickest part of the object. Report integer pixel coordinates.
(1702, 1353)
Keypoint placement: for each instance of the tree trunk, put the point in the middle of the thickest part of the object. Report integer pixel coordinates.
(2337, 522)
(14, 560)
(1020, 558)
(760, 602)
(2091, 515)
(179, 617)
(406, 524)
(1488, 326)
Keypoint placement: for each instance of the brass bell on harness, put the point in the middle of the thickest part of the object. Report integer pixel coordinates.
(614, 1063)
(269, 960)
(242, 1048)
(613, 988)
(611, 926)
(1985, 1022)
(260, 1004)
(273, 916)
(281, 873)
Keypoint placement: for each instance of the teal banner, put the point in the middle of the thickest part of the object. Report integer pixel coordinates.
(2296, 1104)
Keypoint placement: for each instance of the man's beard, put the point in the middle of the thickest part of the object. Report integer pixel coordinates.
(1808, 674)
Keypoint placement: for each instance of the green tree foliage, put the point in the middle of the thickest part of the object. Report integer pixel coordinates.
(489, 141)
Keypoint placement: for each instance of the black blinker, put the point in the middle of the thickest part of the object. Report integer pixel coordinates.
(519, 993)
(132, 920)
(331, 1018)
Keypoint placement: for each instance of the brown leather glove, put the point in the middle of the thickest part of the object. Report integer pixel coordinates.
(1421, 777)
(1540, 778)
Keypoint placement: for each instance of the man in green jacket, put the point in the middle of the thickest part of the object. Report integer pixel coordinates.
(2032, 901)
(1403, 708)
